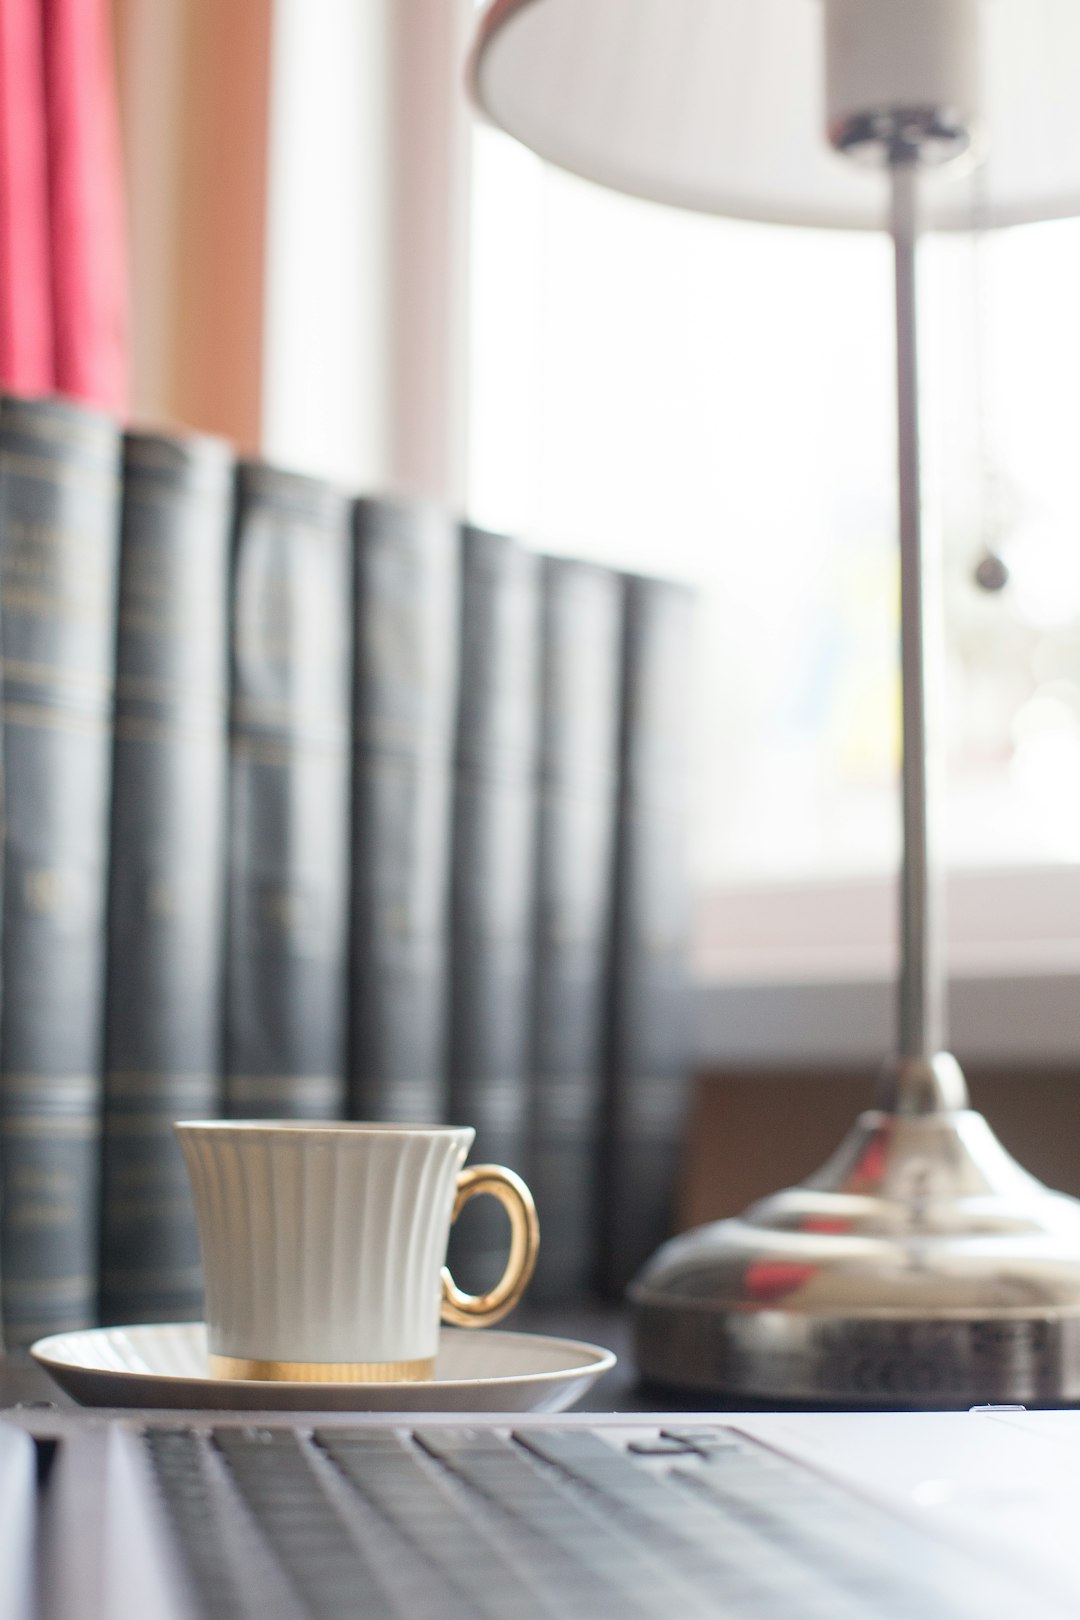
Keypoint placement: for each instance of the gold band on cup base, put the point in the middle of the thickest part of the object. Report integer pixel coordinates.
(324, 1372)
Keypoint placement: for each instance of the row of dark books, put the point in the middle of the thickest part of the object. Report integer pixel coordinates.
(320, 806)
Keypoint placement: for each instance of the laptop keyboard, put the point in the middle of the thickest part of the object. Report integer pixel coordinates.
(456, 1523)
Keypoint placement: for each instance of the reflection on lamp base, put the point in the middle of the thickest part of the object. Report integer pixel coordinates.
(921, 1267)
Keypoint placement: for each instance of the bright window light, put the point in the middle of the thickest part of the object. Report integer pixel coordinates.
(714, 400)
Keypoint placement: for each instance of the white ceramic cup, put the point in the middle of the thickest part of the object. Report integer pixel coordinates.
(323, 1245)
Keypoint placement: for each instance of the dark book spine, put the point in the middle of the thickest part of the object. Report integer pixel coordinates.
(59, 523)
(406, 640)
(492, 875)
(648, 1013)
(288, 798)
(581, 618)
(166, 871)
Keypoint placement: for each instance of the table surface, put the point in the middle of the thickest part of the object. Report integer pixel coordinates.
(24, 1383)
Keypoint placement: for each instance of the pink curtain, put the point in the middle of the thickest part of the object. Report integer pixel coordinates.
(63, 292)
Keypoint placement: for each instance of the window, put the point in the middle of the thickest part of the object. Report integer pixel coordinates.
(714, 400)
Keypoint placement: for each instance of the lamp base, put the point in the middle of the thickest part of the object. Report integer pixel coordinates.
(920, 1267)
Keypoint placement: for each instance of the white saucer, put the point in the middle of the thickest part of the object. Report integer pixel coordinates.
(483, 1370)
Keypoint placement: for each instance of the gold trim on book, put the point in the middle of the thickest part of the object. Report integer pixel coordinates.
(62, 1288)
(38, 714)
(17, 1124)
(57, 675)
(60, 472)
(282, 749)
(151, 1083)
(155, 686)
(324, 1372)
(187, 728)
(311, 1088)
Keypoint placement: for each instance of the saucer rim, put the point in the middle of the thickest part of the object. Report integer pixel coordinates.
(603, 1360)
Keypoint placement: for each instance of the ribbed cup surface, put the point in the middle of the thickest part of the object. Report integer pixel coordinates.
(323, 1243)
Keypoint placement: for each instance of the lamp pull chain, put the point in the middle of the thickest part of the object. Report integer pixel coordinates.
(991, 572)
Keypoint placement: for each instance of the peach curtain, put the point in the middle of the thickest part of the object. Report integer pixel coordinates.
(195, 112)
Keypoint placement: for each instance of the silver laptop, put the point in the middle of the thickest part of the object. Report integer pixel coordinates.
(763, 1517)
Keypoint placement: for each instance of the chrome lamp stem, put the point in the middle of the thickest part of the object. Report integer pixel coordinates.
(921, 990)
(921, 1078)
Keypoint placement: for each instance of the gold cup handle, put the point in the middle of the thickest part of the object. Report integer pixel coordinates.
(480, 1310)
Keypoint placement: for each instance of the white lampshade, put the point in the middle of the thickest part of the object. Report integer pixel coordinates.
(720, 106)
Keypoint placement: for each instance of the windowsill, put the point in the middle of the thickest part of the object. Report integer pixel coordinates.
(806, 974)
(1000, 1019)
